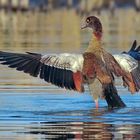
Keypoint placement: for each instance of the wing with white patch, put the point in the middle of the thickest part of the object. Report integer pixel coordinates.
(126, 62)
(73, 62)
(63, 70)
(132, 67)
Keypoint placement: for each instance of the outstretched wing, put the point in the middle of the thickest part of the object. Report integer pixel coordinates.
(129, 62)
(63, 70)
(114, 67)
(134, 63)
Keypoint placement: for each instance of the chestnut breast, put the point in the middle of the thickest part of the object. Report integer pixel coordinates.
(95, 67)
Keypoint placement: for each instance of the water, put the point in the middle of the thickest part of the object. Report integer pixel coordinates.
(40, 114)
(33, 109)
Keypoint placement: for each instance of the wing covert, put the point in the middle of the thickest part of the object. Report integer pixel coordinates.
(131, 67)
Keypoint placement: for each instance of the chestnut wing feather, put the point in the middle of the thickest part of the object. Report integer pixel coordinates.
(113, 66)
(116, 68)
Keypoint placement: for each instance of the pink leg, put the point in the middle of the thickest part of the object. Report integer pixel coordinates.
(96, 104)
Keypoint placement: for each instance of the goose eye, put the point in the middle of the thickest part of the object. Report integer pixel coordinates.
(88, 20)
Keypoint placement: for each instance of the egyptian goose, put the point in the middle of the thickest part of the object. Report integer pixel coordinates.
(95, 67)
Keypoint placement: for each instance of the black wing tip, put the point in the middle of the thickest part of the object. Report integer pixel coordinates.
(26, 62)
(134, 45)
(138, 49)
(32, 53)
(135, 42)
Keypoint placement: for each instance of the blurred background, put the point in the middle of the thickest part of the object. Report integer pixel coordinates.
(53, 24)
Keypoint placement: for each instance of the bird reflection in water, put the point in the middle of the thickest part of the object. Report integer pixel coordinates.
(72, 130)
(85, 130)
